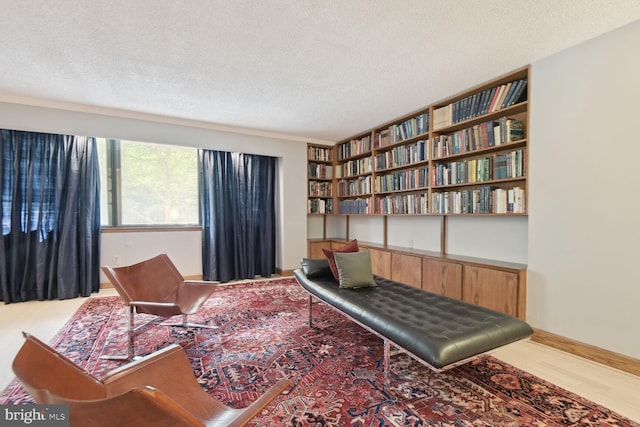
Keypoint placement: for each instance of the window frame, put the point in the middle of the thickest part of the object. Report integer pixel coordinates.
(114, 194)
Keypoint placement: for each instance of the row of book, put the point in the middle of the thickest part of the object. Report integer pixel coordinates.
(354, 187)
(403, 204)
(483, 135)
(509, 165)
(320, 189)
(354, 167)
(484, 200)
(402, 180)
(480, 103)
(320, 171)
(354, 147)
(402, 156)
(489, 168)
(407, 129)
(320, 154)
(320, 206)
(355, 206)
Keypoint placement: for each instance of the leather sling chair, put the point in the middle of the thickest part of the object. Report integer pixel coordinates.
(155, 286)
(157, 390)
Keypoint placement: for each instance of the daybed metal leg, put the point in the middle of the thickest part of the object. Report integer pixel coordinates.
(387, 360)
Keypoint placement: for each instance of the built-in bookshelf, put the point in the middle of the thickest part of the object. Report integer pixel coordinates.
(320, 179)
(479, 150)
(401, 173)
(465, 155)
(354, 175)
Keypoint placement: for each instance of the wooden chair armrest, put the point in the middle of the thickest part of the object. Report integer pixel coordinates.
(138, 372)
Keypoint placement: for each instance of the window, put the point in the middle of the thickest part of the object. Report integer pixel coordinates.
(146, 184)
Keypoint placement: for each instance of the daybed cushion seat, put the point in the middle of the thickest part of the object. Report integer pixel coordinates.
(438, 330)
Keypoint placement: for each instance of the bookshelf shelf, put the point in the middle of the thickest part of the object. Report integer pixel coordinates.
(508, 146)
(476, 184)
(519, 108)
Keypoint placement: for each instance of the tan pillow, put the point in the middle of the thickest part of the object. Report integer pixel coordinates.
(354, 269)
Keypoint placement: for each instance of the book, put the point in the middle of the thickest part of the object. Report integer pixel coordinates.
(487, 101)
(520, 94)
(502, 96)
(514, 130)
(442, 117)
(496, 96)
(507, 97)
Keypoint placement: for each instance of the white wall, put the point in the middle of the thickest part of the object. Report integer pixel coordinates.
(495, 238)
(584, 222)
(419, 232)
(183, 247)
(291, 221)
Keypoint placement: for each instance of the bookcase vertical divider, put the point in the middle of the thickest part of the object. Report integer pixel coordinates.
(384, 230)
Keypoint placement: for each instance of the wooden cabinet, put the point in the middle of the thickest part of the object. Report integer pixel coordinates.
(381, 263)
(497, 285)
(496, 289)
(315, 248)
(406, 269)
(442, 277)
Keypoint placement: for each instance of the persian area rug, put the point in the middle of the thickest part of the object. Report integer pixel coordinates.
(335, 367)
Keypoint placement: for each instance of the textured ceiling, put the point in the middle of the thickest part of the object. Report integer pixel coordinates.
(318, 70)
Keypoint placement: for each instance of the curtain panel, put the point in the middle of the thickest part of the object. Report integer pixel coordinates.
(50, 216)
(237, 209)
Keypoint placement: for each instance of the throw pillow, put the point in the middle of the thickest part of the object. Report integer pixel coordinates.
(355, 270)
(313, 268)
(352, 246)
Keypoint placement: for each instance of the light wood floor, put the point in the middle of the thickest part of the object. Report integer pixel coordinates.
(609, 387)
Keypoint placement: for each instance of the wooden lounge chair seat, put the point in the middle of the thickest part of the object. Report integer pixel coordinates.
(156, 390)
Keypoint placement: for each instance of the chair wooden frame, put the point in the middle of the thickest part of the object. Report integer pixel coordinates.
(158, 389)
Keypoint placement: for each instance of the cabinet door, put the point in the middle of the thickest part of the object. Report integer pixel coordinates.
(381, 263)
(337, 245)
(442, 277)
(490, 288)
(315, 249)
(407, 269)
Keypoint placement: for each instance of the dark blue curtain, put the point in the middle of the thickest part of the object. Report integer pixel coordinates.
(237, 208)
(50, 216)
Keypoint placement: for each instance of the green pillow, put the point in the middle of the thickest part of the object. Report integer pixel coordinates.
(354, 269)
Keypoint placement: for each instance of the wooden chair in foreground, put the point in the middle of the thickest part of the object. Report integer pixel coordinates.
(155, 286)
(158, 390)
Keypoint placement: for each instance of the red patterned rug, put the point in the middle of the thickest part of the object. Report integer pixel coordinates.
(264, 335)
